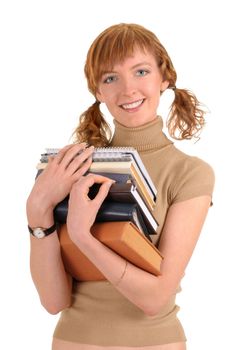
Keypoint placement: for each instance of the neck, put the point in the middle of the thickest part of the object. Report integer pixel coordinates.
(145, 137)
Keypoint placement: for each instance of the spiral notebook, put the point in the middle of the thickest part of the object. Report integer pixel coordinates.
(117, 160)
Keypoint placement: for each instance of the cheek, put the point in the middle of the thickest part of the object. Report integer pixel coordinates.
(111, 99)
(150, 83)
(153, 91)
(107, 95)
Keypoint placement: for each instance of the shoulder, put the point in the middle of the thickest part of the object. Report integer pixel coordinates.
(192, 177)
(186, 165)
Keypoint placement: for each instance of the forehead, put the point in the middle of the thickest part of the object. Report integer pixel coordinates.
(136, 58)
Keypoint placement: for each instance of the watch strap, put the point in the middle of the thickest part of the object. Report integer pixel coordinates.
(47, 231)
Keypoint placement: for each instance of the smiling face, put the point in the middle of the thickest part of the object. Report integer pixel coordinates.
(131, 91)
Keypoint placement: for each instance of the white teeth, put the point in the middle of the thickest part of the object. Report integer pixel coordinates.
(132, 105)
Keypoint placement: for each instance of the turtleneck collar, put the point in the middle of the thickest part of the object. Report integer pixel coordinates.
(146, 137)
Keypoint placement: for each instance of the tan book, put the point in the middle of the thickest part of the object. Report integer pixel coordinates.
(123, 238)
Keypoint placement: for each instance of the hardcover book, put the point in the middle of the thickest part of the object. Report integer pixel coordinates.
(124, 238)
(109, 211)
(118, 193)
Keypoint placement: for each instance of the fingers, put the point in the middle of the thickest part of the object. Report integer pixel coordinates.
(90, 179)
(81, 163)
(60, 155)
(67, 153)
(72, 159)
(81, 170)
(103, 192)
(83, 185)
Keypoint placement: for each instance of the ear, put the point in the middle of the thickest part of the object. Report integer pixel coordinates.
(164, 85)
(99, 96)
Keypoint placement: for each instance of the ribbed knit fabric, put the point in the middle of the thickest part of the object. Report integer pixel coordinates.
(176, 176)
(100, 315)
(148, 137)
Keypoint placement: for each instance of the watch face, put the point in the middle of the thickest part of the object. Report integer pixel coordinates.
(38, 232)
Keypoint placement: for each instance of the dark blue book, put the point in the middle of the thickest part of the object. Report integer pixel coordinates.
(109, 212)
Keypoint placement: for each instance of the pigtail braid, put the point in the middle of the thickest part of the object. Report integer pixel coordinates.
(93, 128)
(186, 115)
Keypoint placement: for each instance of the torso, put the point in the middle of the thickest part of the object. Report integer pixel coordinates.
(99, 313)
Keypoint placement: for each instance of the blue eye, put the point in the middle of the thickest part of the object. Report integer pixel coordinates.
(110, 79)
(142, 72)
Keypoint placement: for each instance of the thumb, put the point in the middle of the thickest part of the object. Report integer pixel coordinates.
(103, 192)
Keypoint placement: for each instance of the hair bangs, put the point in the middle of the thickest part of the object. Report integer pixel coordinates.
(116, 47)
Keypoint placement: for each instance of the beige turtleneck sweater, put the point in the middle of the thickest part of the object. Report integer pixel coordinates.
(176, 176)
(100, 315)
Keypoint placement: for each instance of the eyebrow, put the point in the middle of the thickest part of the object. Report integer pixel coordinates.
(133, 67)
(141, 64)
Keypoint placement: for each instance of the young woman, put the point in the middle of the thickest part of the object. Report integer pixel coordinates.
(128, 69)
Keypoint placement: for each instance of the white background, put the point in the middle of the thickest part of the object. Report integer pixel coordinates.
(42, 90)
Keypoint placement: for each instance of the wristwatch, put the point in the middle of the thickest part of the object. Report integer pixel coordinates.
(40, 232)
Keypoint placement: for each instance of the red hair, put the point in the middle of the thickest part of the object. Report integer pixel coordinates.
(113, 46)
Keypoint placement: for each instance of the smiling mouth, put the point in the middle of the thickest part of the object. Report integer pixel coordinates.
(133, 105)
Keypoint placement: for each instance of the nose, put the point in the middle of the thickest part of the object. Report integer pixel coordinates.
(128, 87)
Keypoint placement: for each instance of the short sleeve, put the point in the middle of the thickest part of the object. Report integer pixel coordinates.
(194, 178)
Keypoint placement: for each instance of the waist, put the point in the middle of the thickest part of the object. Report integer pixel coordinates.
(102, 301)
(100, 315)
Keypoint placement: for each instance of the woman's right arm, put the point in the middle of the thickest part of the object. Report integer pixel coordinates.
(52, 282)
(52, 186)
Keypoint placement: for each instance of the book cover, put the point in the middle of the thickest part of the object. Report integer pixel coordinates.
(122, 237)
(109, 211)
(119, 193)
(128, 193)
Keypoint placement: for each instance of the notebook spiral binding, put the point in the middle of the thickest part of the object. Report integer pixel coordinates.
(100, 154)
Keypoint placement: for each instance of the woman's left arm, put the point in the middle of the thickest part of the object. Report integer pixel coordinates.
(179, 236)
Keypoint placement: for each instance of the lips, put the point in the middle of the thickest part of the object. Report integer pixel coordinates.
(132, 105)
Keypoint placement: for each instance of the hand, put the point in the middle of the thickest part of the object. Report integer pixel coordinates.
(55, 182)
(82, 210)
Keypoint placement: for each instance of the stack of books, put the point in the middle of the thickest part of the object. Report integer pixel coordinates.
(125, 221)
